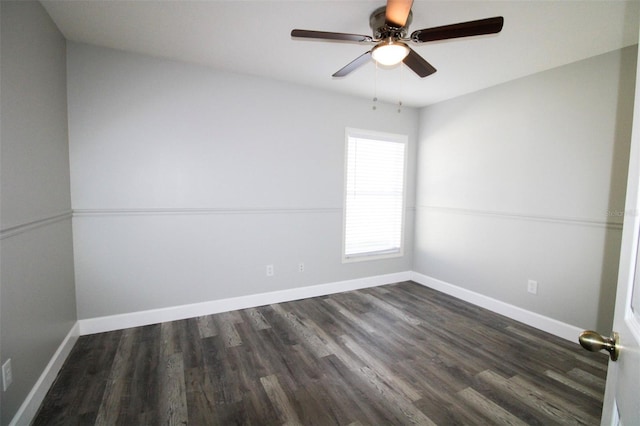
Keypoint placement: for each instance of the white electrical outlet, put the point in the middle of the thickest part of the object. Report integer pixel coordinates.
(532, 286)
(300, 267)
(7, 375)
(270, 271)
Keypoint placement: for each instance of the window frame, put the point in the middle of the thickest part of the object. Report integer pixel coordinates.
(351, 132)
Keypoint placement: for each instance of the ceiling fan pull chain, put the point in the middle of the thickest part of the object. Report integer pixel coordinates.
(401, 91)
(375, 86)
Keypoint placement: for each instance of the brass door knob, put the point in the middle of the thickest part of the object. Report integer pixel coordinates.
(594, 342)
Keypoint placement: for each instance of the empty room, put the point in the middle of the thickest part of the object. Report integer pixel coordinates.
(319, 212)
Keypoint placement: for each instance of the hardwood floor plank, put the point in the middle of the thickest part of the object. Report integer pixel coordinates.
(388, 307)
(380, 290)
(356, 395)
(587, 378)
(438, 403)
(143, 381)
(562, 392)
(332, 346)
(280, 400)
(354, 319)
(173, 401)
(187, 338)
(226, 325)
(168, 342)
(316, 407)
(258, 322)
(91, 359)
(595, 360)
(417, 343)
(381, 370)
(309, 339)
(233, 316)
(395, 401)
(199, 396)
(272, 354)
(575, 385)
(257, 408)
(109, 410)
(222, 371)
(490, 410)
(529, 395)
(206, 326)
(250, 358)
(567, 405)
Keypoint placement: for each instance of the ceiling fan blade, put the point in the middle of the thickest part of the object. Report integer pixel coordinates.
(351, 66)
(326, 35)
(418, 64)
(397, 12)
(463, 29)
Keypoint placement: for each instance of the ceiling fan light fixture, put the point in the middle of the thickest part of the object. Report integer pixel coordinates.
(390, 52)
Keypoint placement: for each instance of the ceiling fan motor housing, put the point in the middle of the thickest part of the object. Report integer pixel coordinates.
(381, 30)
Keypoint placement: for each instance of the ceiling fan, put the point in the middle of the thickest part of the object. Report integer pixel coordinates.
(390, 25)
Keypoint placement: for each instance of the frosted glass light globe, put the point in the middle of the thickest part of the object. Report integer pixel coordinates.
(390, 53)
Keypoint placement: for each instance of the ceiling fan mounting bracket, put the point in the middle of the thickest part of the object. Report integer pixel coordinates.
(382, 30)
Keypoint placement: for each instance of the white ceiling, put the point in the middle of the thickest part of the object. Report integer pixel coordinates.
(253, 37)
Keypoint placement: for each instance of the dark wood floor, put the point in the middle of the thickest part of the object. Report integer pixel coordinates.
(397, 354)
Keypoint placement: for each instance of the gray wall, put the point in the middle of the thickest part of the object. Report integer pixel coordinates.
(186, 182)
(37, 278)
(526, 180)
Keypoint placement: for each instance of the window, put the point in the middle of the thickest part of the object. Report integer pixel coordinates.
(374, 195)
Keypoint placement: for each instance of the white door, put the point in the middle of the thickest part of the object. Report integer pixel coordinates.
(622, 394)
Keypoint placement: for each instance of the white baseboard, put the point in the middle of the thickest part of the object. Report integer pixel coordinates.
(541, 322)
(31, 404)
(173, 313)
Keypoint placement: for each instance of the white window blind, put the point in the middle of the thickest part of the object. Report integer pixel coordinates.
(374, 195)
